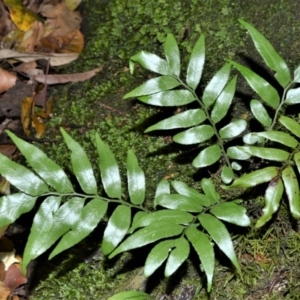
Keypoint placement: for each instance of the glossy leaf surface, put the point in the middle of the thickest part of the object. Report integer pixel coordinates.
(237, 152)
(227, 174)
(263, 88)
(47, 169)
(205, 251)
(40, 237)
(91, 215)
(223, 102)
(147, 235)
(260, 113)
(273, 60)
(13, 206)
(151, 62)
(231, 213)
(81, 165)
(109, 170)
(216, 86)
(157, 256)
(233, 129)
(169, 98)
(162, 188)
(180, 202)
(131, 295)
(22, 178)
(183, 189)
(172, 54)
(210, 190)
(290, 124)
(220, 235)
(293, 96)
(279, 137)
(177, 257)
(196, 63)
(255, 178)
(170, 216)
(194, 135)
(184, 119)
(291, 186)
(116, 228)
(207, 156)
(153, 86)
(273, 196)
(266, 153)
(136, 180)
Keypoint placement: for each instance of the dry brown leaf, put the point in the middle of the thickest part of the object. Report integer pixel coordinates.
(22, 17)
(60, 18)
(6, 25)
(38, 125)
(72, 4)
(26, 114)
(55, 59)
(14, 277)
(45, 114)
(54, 79)
(4, 291)
(31, 38)
(25, 67)
(7, 80)
(70, 43)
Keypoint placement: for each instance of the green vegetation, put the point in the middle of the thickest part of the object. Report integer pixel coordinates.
(69, 212)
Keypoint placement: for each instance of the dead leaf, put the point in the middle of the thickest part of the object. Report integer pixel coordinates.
(70, 43)
(25, 67)
(54, 79)
(4, 291)
(7, 80)
(55, 59)
(22, 17)
(26, 114)
(31, 38)
(38, 125)
(59, 18)
(72, 4)
(14, 277)
(6, 25)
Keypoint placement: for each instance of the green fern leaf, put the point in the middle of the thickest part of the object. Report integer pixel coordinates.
(233, 129)
(290, 124)
(207, 156)
(260, 113)
(194, 135)
(81, 165)
(109, 170)
(46, 168)
(116, 228)
(172, 54)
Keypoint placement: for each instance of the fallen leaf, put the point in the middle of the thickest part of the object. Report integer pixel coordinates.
(25, 67)
(31, 38)
(14, 277)
(55, 59)
(7, 80)
(70, 43)
(8, 258)
(72, 4)
(4, 291)
(38, 125)
(6, 25)
(26, 114)
(10, 102)
(59, 17)
(22, 17)
(76, 77)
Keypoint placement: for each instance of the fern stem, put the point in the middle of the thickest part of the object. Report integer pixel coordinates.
(84, 197)
(281, 104)
(220, 141)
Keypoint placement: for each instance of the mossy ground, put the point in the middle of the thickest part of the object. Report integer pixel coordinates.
(115, 30)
